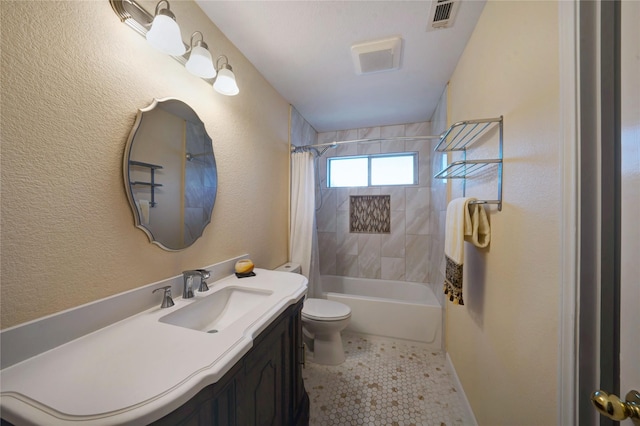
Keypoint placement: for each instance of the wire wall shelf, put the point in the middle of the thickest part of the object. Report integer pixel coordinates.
(459, 137)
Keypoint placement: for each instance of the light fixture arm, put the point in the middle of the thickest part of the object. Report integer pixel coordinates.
(197, 42)
(168, 8)
(225, 65)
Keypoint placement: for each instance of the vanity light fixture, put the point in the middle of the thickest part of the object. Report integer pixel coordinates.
(164, 34)
(162, 31)
(225, 82)
(200, 62)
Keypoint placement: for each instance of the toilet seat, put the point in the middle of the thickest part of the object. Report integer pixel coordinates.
(325, 310)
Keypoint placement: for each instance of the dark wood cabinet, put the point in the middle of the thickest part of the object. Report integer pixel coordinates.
(300, 399)
(264, 388)
(260, 389)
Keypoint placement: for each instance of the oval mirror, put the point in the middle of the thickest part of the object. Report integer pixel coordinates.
(170, 174)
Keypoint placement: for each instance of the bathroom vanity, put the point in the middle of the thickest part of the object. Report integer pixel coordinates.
(230, 356)
(264, 388)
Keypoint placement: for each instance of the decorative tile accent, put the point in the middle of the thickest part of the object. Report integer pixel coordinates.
(383, 382)
(370, 214)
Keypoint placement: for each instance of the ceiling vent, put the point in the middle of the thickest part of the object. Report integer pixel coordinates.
(376, 56)
(442, 14)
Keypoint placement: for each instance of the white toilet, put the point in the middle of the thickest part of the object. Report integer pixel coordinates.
(322, 322)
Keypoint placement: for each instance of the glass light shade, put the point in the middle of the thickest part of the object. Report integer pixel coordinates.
(165, 36)
(200, 63)
(226, 83)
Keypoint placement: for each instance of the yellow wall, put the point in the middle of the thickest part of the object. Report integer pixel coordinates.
(504, 341)
(73, 77)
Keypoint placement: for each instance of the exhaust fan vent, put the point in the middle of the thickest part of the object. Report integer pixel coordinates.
(442, 14)
(377, 56)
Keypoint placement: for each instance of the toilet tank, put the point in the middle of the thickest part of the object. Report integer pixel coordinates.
(289, 267)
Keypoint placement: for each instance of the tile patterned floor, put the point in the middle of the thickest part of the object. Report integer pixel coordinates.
(383, 382)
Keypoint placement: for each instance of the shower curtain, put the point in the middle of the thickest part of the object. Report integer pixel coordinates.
(303, 244)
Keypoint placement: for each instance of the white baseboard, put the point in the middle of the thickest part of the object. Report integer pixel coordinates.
(469, 418)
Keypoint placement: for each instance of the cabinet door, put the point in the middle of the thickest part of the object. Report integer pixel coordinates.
(298, 359)
(214, 405)
(300, 399)
(260, 390)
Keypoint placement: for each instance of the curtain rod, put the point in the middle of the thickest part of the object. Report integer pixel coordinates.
(334, 144)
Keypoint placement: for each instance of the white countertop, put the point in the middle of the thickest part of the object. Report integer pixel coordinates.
(139, 369)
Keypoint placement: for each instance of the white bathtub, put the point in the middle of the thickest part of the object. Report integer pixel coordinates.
(397, 309)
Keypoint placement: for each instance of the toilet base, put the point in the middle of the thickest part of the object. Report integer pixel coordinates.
(322, 322)
(327, 350)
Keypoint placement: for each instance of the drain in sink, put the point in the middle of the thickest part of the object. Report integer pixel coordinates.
(212, 331)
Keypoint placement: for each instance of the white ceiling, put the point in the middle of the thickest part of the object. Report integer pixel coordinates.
(303, 48)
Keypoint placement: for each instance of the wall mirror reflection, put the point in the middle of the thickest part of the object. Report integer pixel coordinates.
(170, 174)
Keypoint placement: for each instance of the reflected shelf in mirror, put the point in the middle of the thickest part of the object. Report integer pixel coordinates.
(152, 168)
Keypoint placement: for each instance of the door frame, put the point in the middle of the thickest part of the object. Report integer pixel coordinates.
(589, 336)
(570, 186)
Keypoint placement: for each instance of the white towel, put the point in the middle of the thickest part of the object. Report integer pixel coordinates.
(464, 222)
(480, 233)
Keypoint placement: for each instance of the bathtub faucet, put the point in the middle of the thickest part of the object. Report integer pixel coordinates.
(187, 291)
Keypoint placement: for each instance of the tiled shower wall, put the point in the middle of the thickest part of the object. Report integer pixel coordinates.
(438, 206)
(414, 250)
(403, 254)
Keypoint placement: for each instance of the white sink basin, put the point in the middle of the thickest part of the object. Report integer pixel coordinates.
(217, 311)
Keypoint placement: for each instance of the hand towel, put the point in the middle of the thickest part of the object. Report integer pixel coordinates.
(464, 221)
(480, 233)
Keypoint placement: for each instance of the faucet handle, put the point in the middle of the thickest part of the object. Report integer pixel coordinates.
(205, 274)
(167, 301)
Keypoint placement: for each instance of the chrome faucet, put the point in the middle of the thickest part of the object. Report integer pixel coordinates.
(167, 301)
(187, 291)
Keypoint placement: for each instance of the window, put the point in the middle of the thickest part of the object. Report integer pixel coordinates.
(372, 170)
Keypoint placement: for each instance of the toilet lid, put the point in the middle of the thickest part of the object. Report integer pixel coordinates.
(325, 310)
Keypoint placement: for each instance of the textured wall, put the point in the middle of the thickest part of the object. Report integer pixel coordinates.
(503, 341)
(73, 77)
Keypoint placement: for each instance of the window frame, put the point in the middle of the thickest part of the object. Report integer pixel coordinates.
(369, 157)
